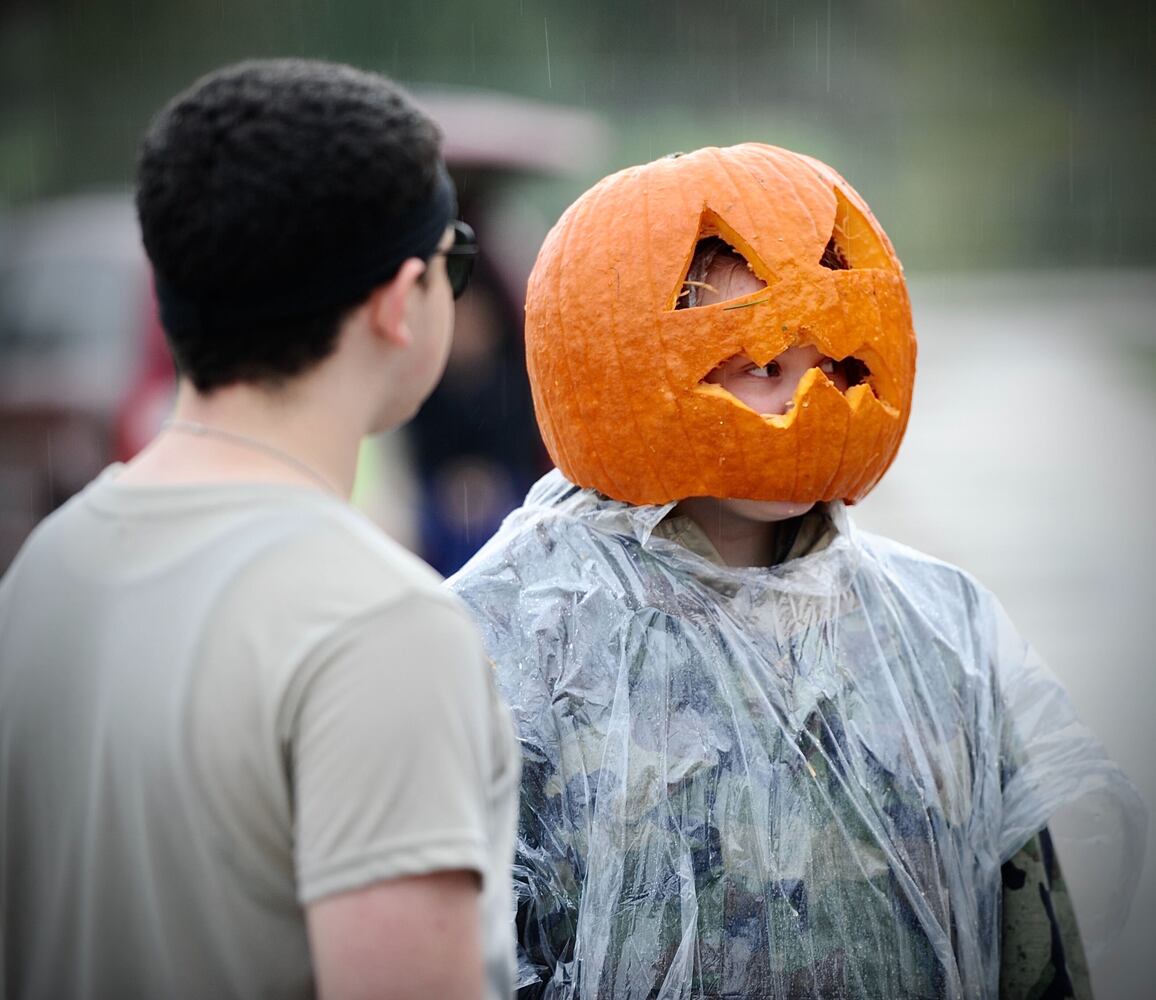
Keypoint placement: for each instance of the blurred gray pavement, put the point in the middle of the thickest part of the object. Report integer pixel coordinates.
(1029, 461)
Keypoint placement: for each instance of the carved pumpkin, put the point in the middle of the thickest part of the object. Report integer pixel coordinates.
(617, 370)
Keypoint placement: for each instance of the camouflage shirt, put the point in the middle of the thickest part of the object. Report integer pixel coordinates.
(808, 781)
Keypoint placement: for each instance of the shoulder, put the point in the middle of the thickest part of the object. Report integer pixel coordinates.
(936, 612)
(546, 589)
(48, 537)
(889, 553)
(321, 554)
(922, 575)
(541, 553)
(299, 584)
(324, 530)
(335, 596)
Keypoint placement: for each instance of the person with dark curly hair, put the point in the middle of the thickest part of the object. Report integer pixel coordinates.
(249, 747)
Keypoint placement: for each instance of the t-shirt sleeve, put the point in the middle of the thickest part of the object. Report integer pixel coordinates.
(391, 750)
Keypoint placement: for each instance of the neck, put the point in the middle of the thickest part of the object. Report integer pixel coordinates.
(739, 541)
(318, 442)
(747, 532)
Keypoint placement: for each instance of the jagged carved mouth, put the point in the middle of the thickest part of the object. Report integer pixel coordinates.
(778, 386)
(720, 275)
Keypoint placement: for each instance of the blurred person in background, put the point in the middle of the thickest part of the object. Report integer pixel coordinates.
(86, 377)
(476, 448)
(248, 746)
(473, 449)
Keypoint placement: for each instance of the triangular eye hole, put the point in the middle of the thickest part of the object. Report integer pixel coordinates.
(854, 243)
(717, 273)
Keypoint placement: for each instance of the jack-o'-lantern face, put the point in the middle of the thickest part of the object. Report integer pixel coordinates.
(622, 376)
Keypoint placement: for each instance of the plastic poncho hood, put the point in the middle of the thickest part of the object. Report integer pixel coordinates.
(789, 782)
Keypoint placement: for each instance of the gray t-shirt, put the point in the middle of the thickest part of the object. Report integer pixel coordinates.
(218, 703)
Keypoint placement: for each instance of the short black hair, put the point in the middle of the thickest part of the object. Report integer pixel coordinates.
(256, 173)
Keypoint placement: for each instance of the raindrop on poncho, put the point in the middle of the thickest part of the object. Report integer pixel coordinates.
(790, 782)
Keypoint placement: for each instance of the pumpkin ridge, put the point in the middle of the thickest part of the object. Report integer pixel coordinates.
(838, 467)
(596, 454)
(773, 163)
(898, 433)
(749, 223)
(852, 294)
(564, 458)
(833, 479)
(867, 483)
(724, 168)
(795, 490)
(541, 410)
(661, 344)
(864, 477)
(866, 406)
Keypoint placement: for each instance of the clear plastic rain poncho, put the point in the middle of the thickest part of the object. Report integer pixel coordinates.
(788, 782)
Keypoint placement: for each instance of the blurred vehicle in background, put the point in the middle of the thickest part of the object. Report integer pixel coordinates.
(85, 378)
(76, 313)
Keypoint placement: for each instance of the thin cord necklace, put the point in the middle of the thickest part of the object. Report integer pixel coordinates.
(198, 429)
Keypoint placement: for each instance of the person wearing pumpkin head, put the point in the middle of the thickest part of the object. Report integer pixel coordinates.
(764, 754)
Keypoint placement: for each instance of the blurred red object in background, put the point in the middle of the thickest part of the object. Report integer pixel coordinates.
(86, 378)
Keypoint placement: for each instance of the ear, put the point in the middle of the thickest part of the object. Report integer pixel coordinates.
(387, 303)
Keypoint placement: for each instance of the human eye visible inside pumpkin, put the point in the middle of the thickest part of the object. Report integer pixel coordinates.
(770, 370)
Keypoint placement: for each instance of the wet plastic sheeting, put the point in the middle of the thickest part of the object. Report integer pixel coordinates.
(798, 782)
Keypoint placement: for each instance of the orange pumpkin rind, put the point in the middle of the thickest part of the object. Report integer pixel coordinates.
(617, 371)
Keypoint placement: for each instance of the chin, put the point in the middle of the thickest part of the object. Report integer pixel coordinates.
(766, 511)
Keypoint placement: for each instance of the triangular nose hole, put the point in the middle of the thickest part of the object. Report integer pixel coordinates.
(717, 273)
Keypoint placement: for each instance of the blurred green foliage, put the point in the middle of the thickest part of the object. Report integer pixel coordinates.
(985, 135)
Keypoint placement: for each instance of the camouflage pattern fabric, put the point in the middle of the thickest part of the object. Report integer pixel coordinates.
(1042, 957)
(793, 783)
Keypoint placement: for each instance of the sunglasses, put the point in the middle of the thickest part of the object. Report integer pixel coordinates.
(460, 256)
